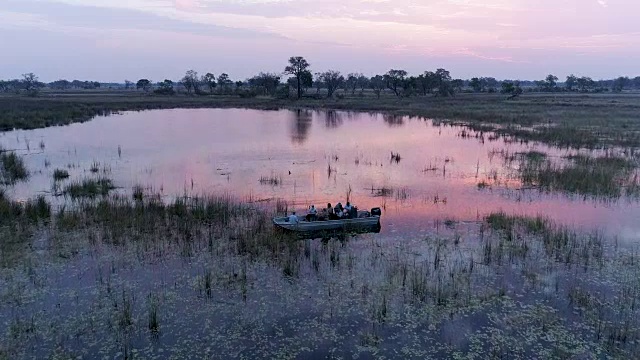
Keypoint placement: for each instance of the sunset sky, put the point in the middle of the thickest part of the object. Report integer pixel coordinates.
(113, 40)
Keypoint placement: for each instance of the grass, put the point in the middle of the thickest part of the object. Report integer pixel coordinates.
(12, 167)
(89, 188)
(60, 174)
(607, 177)
(272, 180)
(571, 120)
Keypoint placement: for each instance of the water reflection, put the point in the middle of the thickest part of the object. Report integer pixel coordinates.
(300, 126)
(333, 119)
(393, 120)
(441, 173)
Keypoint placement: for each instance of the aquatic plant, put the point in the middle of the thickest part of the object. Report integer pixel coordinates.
(89, 188)
(12, 167)
(60, 174)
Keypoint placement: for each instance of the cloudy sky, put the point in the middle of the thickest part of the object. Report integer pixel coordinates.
(113, 40)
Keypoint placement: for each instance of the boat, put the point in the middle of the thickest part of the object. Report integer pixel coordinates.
(367, 221)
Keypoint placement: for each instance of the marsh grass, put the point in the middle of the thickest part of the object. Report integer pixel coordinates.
(272, 180)
(137, 193)
(60, 174)
(568, 120)
(12, 167)
(89, 188)
(608, 177)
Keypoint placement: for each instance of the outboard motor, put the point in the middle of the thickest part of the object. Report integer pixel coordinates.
(376, 211)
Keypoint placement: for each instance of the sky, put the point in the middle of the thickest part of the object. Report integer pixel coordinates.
(114, 40)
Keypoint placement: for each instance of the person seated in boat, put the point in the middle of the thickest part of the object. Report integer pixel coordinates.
(338, 209)
(331, 215)
(347, 210)
(293, 218)
(312, 213)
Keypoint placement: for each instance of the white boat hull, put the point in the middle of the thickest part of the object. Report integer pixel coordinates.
(370, 223)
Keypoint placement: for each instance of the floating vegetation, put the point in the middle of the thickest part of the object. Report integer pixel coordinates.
(89, 188)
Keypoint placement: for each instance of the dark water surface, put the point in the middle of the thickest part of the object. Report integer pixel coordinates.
(229, 150)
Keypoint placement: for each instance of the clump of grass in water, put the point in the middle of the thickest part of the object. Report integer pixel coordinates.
(395, 157)
(95, 167)
(12, 212)
(608, 177)
(559, 242)
(89, 188)
(60, 174)
(153, 303)
(138, 193)
(12, 168)
(270, 180)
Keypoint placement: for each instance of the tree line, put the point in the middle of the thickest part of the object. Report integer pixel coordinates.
(302, 82)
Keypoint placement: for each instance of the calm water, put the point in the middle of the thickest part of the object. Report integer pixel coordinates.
(66, 296)
(229, 150)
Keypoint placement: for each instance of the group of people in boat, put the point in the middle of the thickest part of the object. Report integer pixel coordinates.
(338, 212)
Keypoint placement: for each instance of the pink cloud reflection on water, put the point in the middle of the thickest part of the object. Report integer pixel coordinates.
(227, 151)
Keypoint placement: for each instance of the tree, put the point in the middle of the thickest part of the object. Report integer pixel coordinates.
(210, 80)
(332, 80)
(457, 84)
(476, 84)
(378, 84)
(585, 83)
(165, 88)
(30, 84)
(297, 67)
(143, 84)
(223, 81)
(191, 81)
(490, 83)
(636, 82)
(318, 83)
(443, 82)
(266, 82)
(127, 84)
(511, 88)
(352, 82)
(60, 84)
(306, 80)
(239, 84)
(571, 82)
(620, 83)
(426, 82)
(394, 80)
(550, 83)
(363, 82)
